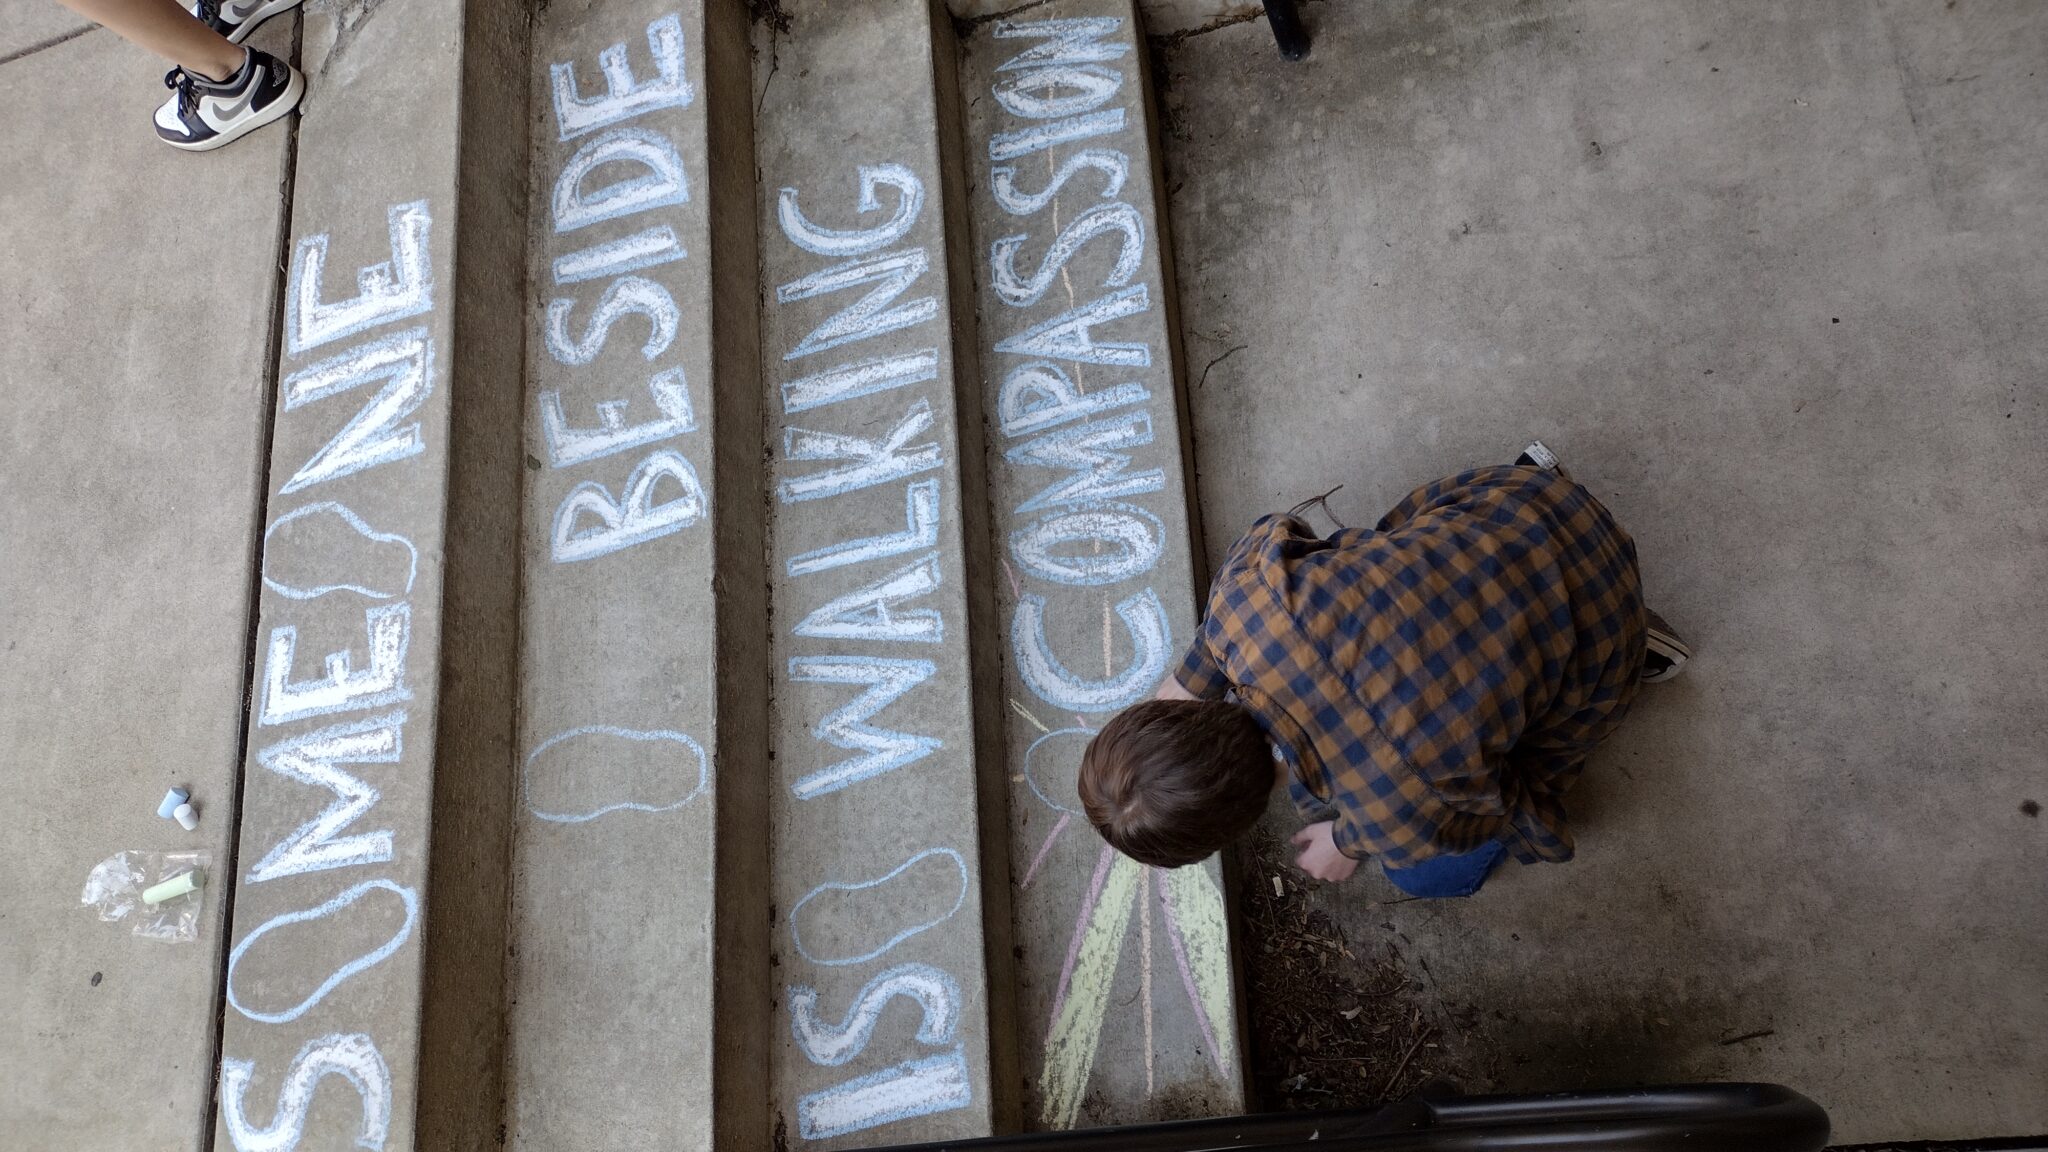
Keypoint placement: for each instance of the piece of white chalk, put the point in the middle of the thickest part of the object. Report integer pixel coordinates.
(187, 817)
(172, 799)
(175, 887)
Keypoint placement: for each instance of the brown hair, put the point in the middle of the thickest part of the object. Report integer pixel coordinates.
(1168, 782)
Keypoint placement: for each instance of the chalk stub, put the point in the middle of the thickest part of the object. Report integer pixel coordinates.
(171, 800)
(187, 817)
(179, 885)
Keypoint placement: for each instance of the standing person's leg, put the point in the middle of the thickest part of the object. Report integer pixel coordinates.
(220, 92)
(165, 28)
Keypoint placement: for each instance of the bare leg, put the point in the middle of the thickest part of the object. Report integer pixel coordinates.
(167, 30)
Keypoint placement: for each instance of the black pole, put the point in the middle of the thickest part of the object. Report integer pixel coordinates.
(1286, 21)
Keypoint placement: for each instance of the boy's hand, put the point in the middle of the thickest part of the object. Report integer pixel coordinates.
(1319, 856)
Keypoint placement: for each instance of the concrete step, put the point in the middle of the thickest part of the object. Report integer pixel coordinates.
(712, 633)
(381, 708)
(637, 972)
(889, 866)
(1127, 994)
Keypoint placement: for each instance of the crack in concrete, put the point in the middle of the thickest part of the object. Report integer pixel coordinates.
(349, 18)
(962, 25)
(52, 42)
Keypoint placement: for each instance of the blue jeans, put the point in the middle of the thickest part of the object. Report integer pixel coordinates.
(1444, 876)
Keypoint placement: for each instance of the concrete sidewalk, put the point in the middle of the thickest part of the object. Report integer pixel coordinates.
(1769, 279)
(132, 357)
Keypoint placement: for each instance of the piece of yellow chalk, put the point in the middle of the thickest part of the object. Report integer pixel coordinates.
(175, 887)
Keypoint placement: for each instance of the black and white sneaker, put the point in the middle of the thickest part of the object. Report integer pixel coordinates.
(203, 114)
(1665, 654)
(235, 19)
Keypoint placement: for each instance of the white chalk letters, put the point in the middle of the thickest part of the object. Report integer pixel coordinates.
(313, 554)
(624, 170)
(871, 441)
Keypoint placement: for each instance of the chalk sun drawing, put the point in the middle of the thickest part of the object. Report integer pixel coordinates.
(355, 524)
(689, 783)
(1036, 765)
(796, 929)
(369, 959)
(353, 1057)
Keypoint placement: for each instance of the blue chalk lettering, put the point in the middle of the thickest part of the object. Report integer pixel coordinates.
(920, 530)
(661, 184)
(874, 461)
(1037, 395)
(859, 378)
(1046, 134)
(1122, 542)
(626, 296)
(1091, 453)
(936, 993)
(910, 1089)
(1067, 336)
(395, 289)
(1032, 94)
(316, 759)
(852, 242)
(646, 248)
(406, 363)
(870, 315)
(881, 750)
(1114, 165)
(876, 612)
(624, 97)
(635, 519)
(1145, 622)
(1070, 41)
(1100, 220)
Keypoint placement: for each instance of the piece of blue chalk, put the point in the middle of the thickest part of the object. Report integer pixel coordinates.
(172, 799)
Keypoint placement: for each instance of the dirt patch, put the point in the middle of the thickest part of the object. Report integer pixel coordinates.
(1335, 1023)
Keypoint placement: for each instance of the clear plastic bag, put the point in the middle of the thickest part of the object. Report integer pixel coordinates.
(115, 886)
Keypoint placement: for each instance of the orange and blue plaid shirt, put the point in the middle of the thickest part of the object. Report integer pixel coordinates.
(1441, 679)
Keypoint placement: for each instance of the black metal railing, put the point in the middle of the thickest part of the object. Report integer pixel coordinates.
(1684, 1118)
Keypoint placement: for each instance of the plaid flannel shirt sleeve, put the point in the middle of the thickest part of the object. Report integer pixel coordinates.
(1202, 669)
(1199, 672)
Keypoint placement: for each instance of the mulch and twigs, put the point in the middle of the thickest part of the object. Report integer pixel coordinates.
(1334, 1024)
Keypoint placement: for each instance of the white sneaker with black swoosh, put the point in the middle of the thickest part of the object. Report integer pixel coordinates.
(203, 114)
(235, 19)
